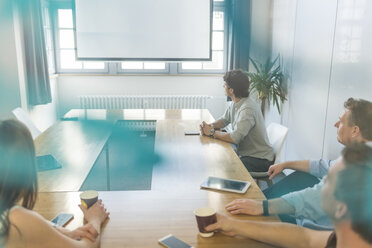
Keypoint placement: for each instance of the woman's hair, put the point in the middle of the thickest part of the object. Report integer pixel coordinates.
(18, 176)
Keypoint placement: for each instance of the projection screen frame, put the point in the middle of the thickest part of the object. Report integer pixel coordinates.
(144, 59)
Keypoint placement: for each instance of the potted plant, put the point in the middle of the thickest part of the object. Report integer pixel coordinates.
(268, 81)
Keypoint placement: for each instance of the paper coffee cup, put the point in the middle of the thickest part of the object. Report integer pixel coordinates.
(88, 198)
(205, 216)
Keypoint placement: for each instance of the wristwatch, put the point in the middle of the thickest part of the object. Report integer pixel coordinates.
(211, 132)
(265, 205)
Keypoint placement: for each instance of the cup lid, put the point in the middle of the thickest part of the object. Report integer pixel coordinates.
(89, 194)
(204, 211)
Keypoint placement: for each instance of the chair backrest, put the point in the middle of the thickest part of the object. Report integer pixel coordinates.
(277, 135)
(23, 117)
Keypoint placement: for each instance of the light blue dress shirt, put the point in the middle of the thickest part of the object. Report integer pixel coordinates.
(307, 202)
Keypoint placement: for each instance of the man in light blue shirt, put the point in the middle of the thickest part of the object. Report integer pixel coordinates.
(307, 202)
(345, 199)
(354, 125)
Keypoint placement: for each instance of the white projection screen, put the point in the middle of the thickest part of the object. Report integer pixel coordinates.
(175, 30)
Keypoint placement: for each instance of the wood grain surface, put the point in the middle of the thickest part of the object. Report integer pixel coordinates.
(141, 218)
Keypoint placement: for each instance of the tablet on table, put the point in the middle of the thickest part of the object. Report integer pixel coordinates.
(223, 184)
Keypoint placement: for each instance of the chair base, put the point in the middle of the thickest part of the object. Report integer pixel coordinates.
(262, 176)
(267, 180)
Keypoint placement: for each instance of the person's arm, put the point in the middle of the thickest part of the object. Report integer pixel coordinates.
(244, 124)
(218, 124)
(299, 165)
(318, 168)
(223, 136)
(38, 232)
(280, 206)
(254, 207)
(30, 228)
(205, 128)
(86, 231)
(306, 202)
(278, 234)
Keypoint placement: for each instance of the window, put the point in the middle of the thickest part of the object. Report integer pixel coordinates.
(149, 67)
(218, 47)
(65, 49)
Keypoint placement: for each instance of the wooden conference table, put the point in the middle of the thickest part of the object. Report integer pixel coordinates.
(140, 218)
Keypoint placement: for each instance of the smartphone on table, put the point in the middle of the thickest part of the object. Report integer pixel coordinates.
(62, 219)
(171, 241)
(192, 133)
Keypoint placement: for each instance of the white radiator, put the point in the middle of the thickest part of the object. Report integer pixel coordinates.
(144, 102)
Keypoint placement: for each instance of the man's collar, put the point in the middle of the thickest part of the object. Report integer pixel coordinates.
(240, 103)
(369, 144)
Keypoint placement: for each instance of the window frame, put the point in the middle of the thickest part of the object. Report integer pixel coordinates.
(54, 10)
(220, 7)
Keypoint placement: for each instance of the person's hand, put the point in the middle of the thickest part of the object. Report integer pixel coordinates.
(205, 128)
(201, 128)
(245, 206)
(275, 169)
(223, 224)
(86, 231)
(97, 212)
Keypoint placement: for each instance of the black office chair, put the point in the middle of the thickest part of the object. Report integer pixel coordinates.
(277, 135)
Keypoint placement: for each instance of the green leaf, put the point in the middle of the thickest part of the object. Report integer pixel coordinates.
(268, 80)
(255, 65)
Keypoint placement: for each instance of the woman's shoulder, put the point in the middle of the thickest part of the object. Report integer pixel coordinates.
(18, 212)
(25, 226)
(24, 218)
(20, 216)
(17, 217)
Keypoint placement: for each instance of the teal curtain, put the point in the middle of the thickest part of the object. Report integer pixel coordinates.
(239, 36)
(37, 76)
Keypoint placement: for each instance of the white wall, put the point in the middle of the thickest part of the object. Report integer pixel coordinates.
(46, 114)
(282, 34)
(327, 61)
(70, 87)
(351, 73)
(310, 77)
(9, 85)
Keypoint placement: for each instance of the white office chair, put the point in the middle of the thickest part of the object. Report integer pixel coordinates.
(277, 135)
(23, 117)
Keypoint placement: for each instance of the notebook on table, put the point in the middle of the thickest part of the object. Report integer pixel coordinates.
(47, 162)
